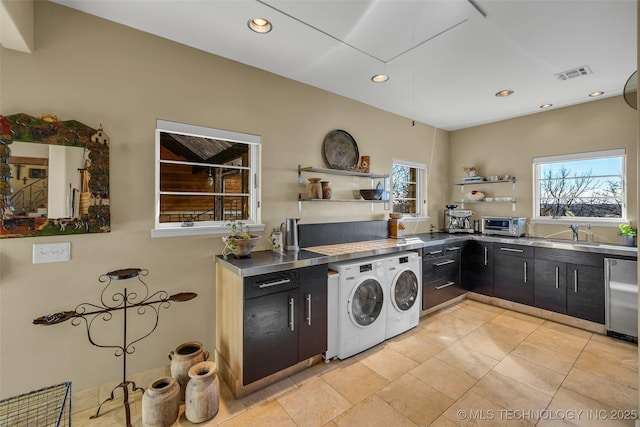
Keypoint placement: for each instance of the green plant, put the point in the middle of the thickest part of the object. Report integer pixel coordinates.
(239, 231)
(627, 230)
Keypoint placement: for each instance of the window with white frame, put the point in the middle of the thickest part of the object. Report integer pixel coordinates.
(407, 187)
(589, 186)
(205, 177)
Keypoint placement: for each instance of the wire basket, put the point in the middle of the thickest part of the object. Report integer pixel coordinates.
(49, 406)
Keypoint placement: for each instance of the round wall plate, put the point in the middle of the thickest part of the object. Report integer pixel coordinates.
(340, 151)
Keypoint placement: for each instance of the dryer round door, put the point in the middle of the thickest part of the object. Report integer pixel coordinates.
(366, 302)
(404, 290)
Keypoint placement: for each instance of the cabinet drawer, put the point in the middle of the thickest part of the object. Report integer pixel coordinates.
(451, 248)
(266, 284)
(513, 250)
(440, 268)
(432, 252)
(568, 256)
(439, 291)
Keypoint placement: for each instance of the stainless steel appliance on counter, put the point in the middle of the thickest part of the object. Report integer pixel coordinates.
(503, 226)
(457, 220)
(621, 298)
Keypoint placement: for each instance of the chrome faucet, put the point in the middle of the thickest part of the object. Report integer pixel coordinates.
(574, 228)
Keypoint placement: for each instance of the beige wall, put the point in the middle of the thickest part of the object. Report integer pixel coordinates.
(508, 147)
(98, 72)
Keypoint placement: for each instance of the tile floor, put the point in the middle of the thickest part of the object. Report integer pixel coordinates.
(468, 364)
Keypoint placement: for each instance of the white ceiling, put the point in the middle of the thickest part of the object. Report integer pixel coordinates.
(446, 58)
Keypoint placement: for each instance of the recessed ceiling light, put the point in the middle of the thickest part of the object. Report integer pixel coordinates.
(504, 93)
(380, 78)
(259, 25)
(594, 94)
(546, 105)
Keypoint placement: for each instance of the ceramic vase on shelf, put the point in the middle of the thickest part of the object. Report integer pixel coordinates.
(326, 190)
(202, 398)
(161, 403)
(315, 188)
(182, 359)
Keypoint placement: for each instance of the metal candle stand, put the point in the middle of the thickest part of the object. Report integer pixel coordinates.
(118, 301)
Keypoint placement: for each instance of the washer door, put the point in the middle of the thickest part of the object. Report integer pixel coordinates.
(365, 303)
(404, 290)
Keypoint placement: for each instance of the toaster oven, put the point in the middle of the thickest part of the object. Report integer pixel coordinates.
(503, 226)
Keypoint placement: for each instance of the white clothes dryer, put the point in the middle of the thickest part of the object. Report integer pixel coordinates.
(405, 292)
(362, 311)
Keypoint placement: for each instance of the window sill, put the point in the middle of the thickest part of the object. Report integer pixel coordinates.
(600, 222)
(198, 231)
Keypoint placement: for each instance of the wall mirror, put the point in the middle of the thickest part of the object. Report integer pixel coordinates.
(54, 177)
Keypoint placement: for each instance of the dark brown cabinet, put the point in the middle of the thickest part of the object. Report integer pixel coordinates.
(477, 267)
(585, 292)
(284, 320)
(513, 273)
(440, 274)
(580, 283)
(551, 285)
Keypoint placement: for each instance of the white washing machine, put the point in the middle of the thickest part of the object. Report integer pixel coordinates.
(405, 292)
(362, 299)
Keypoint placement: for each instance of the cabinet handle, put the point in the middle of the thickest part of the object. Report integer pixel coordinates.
(525, 272)
(435, 252)
(440, 264)
(486, 256)
(308, 298)
(575, 281)
(446, 285)
(274, 283)
(291, 314)
(453, 248)
(557, 277)
(512, 250)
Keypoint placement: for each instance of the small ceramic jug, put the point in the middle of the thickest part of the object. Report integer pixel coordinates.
(182, 359)
(202, 398)
(161, 403)
(326, 190)
(315, 188)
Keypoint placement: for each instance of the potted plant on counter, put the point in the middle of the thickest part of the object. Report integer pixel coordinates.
(240, 242)
(627, 235)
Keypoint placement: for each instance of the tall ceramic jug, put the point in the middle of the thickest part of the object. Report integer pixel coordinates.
(202, 399)
(182, 359)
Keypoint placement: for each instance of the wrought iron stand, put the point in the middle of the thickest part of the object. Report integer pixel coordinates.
(119, 300)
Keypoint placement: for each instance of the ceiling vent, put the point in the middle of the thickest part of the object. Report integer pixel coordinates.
(573, 73)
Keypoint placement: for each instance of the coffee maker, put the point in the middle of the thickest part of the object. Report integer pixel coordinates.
(457, 220)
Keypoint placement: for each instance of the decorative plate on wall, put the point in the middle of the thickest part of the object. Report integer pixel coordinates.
(340, 151)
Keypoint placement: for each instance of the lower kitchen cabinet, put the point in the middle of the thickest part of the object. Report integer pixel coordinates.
(441, 274)
(285, 320)
(570, 282)
(513, 273)
(270, 322)
(551, 285)
(477, 267)
(585, 292)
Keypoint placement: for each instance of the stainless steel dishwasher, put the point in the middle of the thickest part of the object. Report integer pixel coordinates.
(621, 298)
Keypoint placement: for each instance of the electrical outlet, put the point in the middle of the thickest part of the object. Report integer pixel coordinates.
(51, 252)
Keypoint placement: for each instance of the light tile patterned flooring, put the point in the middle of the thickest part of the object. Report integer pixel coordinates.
(468, 364)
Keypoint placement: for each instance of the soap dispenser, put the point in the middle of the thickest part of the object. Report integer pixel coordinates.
(589, 233)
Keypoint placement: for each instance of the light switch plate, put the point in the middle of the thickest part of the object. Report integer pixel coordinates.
(51, 252)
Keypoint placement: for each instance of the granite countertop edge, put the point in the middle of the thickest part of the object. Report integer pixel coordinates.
(262, 262)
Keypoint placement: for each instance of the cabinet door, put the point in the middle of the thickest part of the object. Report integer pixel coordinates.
(551, 285)
(513, 278)
(312, 315)
(477, 267)
(585, 292)
(270, 334)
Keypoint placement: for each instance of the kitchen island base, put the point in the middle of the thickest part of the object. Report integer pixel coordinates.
(539, 312)
(239, 390)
